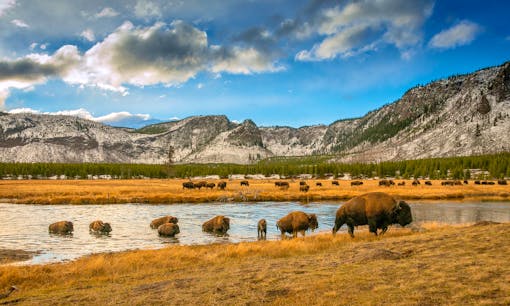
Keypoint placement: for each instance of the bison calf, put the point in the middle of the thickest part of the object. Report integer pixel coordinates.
(377, 209)
(262, 229)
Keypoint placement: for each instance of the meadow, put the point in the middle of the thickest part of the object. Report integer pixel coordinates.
(435, 265)
(171, 191)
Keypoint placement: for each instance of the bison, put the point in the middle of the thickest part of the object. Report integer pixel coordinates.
(428, 183)
(356, 183)
(304, 188)
(297, 221)
(210, 185)
(415, 182)
(302, 183)
(377, 209)
(188, 185)
(168, 229)
(502, 182)
(318, 184)
(217, 225)
(401, 183)
(262, 229)
(100, 227)
(335, 183)
(166, 219)
(222, 185)
(245, 183)
(61, 227)
(282, 185)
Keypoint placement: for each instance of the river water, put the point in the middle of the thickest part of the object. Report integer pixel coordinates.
(26, 226)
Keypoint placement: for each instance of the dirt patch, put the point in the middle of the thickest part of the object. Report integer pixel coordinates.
(365, 255)
(10, 255)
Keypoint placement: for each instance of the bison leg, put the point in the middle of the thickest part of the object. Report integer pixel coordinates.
(351, 230)
(338, 224)
(372, 227)
(384, 229)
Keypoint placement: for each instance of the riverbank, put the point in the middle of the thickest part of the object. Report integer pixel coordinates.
(162, 191)
(441, 265)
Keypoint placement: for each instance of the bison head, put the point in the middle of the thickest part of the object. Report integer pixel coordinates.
(312, 218)
(106, 228)
(402, 214)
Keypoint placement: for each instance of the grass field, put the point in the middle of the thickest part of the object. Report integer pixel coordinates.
(171, 191)
(441, 265)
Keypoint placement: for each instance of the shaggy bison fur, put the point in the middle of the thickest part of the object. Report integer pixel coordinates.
(99, 226)
(61, 227)
(297, 221)
(168, 229)
(377, 209)
(217, 225)
(166, 219)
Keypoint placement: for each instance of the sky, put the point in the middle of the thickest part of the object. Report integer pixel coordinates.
(276, 62)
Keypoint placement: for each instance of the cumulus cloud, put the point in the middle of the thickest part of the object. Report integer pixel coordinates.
(460, 34)
(362, 25)
(168, 54)
(19, 23)
(5, 5)
(88, 34)
(107, 12)
(116, 118)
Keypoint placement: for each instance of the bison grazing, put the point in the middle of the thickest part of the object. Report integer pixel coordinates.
(428, 183)
(168, 229)
(335, 183)
(222, 185)
(356, 183)
(401, 183)
(262, 229)
(217, 225)
(99, 227)
(415, 182)
(502, 182)
(61, 228)
(245, 183)
(210, 185)
(304, 188)
(166, 219)
(282, 185)
(377, 209)
(188, 185)
(297, 221)
(302, 183)
(318, 184)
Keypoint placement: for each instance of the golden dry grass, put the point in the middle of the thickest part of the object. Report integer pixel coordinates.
(171, 191)
(443, 265)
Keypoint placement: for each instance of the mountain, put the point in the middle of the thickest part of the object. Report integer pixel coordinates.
(461, 115)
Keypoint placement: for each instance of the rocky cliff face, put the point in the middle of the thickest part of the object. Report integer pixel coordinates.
(461, 115)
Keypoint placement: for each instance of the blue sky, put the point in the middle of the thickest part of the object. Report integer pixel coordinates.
(277, 62)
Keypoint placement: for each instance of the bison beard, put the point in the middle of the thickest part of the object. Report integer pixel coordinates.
(377, 209)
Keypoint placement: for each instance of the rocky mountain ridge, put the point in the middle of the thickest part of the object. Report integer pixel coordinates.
(461, 115)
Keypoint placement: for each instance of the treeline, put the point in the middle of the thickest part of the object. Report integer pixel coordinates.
(470, 167)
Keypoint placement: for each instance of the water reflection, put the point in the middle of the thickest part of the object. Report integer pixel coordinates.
(26, 226)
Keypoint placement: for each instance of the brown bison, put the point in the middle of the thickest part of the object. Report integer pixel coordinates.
(386, 183)
(210, 185)
(99, 226)
(217, 225)
(188, 185)
(335, 183)
(297, 221)
(428, 183)
(222, 185)
(377, 209)
(304, 188)
(502, 182)
(168, 229)
(245, 183)
(282, 185)
(415, 182)
(262, 229)
(166, 219)
(61, 227)
(356, 183)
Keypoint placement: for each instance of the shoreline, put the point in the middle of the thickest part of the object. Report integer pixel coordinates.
(170, 191)
(452, 264)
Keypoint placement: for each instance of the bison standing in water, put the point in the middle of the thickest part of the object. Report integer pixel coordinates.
(217, 225)
(100, 227)
(166, 219)
(168, 229)
(262, 229)
(297, 221)
(377, 209)
(61, 227)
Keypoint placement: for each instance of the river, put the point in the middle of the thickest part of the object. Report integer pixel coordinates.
(26, 226)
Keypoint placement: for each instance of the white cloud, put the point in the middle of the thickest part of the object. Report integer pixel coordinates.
(5, 5)
(145, 9)
(200, 85)
(107, 12)
(88, 34)
(460, 34)
(19, 23)
(43, 46)
(239, 60)
(361, 26)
